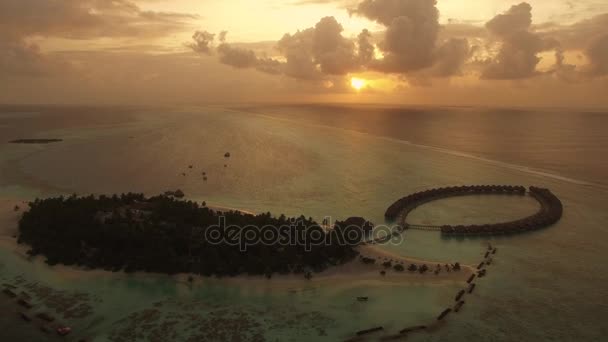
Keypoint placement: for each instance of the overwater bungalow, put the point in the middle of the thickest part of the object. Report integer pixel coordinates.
(412, 329)
(443, 314)
(458, 306)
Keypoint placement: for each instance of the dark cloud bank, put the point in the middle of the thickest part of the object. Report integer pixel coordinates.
(73, 19)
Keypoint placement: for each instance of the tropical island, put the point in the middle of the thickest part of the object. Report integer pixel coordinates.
(164, 234)
(171, 235)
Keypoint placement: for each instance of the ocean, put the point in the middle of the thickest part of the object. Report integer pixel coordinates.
(338, 161)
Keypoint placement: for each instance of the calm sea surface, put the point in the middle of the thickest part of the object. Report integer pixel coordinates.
(337, 161)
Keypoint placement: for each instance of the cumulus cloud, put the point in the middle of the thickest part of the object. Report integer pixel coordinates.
(411, 34)
(320, 50)
(203, 41)
(411, 41)
(414, 45)
(366, 48)
(576, 36)
(297, 51)
(450, 57)
(234, 56)
(587, 37)
(517, 57)
(385, 11)
(340, 3)
(409, 44)
(597, 53)
(518, 18)
(311, 54)
(518, 54)
(334, 53)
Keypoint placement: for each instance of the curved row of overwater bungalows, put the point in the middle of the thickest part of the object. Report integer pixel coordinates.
(549, 213)
(416, 199)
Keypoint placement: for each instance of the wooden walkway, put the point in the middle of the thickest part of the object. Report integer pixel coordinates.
(423, 227)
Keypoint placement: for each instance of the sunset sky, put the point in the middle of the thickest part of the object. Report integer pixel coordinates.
(447, 52)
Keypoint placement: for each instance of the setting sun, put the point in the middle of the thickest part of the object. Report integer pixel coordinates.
(357, 83)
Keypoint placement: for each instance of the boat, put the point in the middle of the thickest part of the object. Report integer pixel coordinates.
(471, 288)
(480, 265)
(459, 295)
(362, 299)
(62, 331)
(227, 155)
(494, 251)
(369, 331)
